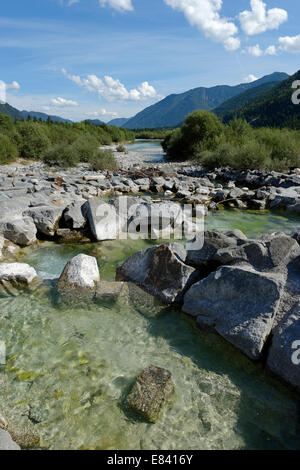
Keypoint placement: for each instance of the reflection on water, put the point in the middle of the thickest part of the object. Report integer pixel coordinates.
(72, 367)
(151, 150)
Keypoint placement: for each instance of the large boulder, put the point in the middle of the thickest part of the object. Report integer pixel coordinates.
(103, 219)
(284, 353)
(80, 278)
(19, 230)
(45, 218)
(239, 303)
(6, 442)
(161, 271)
(73, 215)
(153, 388)
(16, 275)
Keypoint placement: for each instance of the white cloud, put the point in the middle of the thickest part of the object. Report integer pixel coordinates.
(72, 2)
(271, 50)
(102, 112)
(256, 50)
(290, 43)
(205, 15)
(62, 102)
(259, 19)
(250, 78)
(120, 5)
(112, 89)
(4, 87)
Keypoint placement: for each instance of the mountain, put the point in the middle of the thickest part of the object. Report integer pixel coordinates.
(173, 109)
(119, 122)
(14, 113)
(230, 106)
(272, 108)
(44, 117)
(94, 122)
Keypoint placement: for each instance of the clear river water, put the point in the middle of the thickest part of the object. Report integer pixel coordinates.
(72, 367)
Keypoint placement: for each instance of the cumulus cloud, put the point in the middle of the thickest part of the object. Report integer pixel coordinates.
(120, 5)
(102, 112)
(4, 87)
(250, 78)
(112, 89)
(62, 102)
(259, 19)
(290, 43)
(204, 14)
(257, 51)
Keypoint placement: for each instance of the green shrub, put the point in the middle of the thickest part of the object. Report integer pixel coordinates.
(174, 146)
(86, 147)
(121, 148)
(62, 155)
(104, 160)
(32, 140)
(8, 151)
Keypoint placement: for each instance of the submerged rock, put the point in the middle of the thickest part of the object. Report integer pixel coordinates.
(79, 278)
(161, 271)
(153, 388)
(6, 442)
(239, 303)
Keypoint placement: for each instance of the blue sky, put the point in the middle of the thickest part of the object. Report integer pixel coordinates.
(106, 58)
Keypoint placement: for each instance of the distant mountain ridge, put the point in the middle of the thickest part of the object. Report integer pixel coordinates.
(118, 122)
(14, 113)
(172, 110)
(274, 108)
(44, 116)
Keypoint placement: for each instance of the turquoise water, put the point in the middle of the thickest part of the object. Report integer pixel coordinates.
(72, 367)
(151, 150)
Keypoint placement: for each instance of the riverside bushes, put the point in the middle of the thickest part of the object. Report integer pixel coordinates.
(56, 143)
(205, 139)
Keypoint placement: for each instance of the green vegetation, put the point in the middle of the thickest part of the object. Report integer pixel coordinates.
(273, 108)
(58, 143)
(205, 139)
(152, 134)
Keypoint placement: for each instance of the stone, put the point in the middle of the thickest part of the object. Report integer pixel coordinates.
(19, 230)
(46, 218)
(79, 278)
(73, 215)
(67, 235)
(239, 303)
(103, 219)
(16, 274)
(161, 271)
(6, 442)
(153, 388)
(284, 353)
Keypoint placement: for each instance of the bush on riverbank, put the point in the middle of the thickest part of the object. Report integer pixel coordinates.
(205, 139)
(104, 160)
(57, 143)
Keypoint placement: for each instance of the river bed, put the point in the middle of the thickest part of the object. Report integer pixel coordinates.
(71, 368)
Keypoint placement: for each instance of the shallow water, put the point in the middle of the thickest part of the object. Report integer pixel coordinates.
(72, 367)
(151, 150)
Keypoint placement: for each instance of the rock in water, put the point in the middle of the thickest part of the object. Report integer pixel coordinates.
(15, 275)
(46, 218)
(6, 442)
(152, 389)
(103, 219)
(284, 354)
(79, 278)
(239, 303)
(161, 271)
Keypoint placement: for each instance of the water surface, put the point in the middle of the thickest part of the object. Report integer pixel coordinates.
(150, 150)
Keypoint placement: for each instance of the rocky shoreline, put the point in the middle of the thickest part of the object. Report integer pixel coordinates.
(246, 290)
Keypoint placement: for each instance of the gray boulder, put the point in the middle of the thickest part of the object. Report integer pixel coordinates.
(161, 271)
(19, 230)
(16, 275)
(284, 353)
(73, 215)
(45, 218)
(80, 278)
(239, 303)
(6, 442)
(103, 219)
(153, 388)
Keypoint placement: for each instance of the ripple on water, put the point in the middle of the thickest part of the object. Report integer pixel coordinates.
(71, 368)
